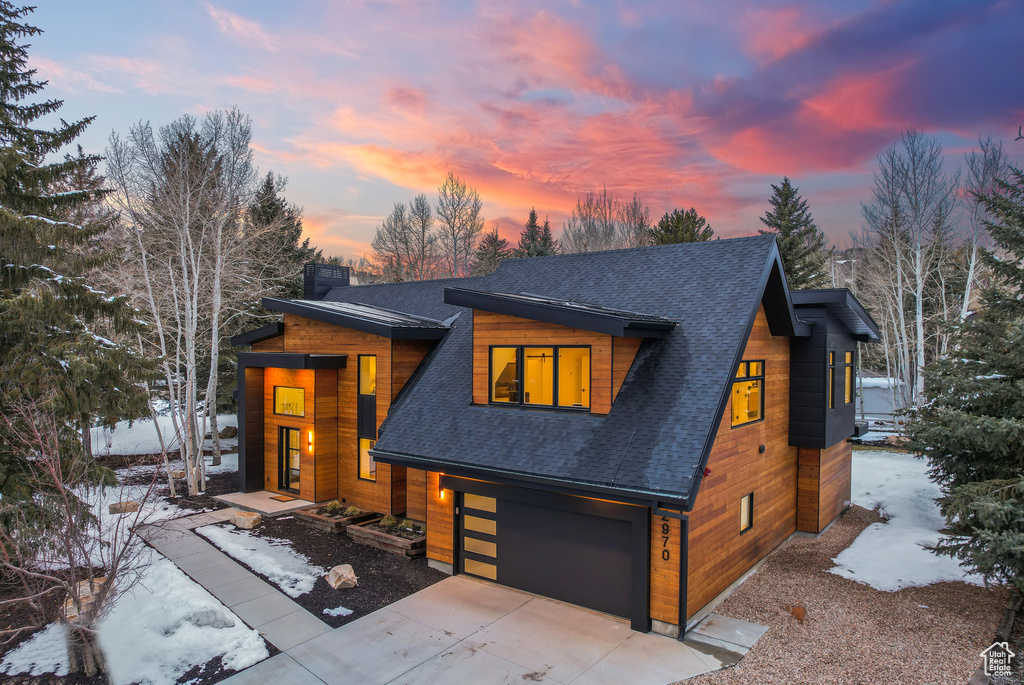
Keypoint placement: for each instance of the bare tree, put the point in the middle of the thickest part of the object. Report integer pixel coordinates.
(460, 222)
(634, 223)
(985, 167)
(394, 245)
(64, 548)
(192, 261)
(593, 225)
(424, 240)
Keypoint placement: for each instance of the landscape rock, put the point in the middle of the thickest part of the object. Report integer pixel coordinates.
(177, 474)
(126, 507)
(228, 432)
(86, 594)
(342, 577)
(246, 519)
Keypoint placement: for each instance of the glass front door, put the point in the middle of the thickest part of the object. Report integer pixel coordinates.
(291, 455)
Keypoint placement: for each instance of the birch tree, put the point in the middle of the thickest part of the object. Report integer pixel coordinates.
(985, 168)
(192, 260)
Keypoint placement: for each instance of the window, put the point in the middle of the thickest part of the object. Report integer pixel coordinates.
(848, 378)
(746, 512)
(541, 376)
(289, 401)
(831, 380)
(748, 393)
(367, 465)
(367, 374)
(290, 459)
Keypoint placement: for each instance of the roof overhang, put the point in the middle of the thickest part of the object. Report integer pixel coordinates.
(360, 317)
(844, 306)
(292, 360)
(258, 335)
(588, 317)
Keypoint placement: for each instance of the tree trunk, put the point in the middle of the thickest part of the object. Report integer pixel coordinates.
(87, 435)
(84, 653)
(214, 431)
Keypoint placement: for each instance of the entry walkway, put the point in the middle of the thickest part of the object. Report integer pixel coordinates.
(280, 621)
(468, 631)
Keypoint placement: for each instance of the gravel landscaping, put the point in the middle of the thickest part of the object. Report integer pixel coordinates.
(852, 633)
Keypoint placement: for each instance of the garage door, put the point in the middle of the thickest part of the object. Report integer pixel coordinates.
(572, 549)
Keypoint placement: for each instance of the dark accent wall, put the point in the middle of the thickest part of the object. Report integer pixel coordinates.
(811, 422)
(250, 429)
(318, 279)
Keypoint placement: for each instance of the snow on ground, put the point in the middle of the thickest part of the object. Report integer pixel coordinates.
(163, 627)
(141, 437)
(890, 556)
(275, 559)
(338, 611)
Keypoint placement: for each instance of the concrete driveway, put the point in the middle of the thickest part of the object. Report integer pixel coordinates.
(463, 630)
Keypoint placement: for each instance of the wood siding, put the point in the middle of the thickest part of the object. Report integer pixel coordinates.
(666, 541)
(325, 445)
(275, 344)
(718, 553)
(623, 353)
(500, 329)
(440, 521)
(290, 378)
(416, 494)
(254, 426)
(836, 462)
(807, 496)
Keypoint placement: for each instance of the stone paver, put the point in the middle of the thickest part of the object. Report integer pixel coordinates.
(278, 670)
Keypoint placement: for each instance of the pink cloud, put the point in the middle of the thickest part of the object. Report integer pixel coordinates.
(245, 30)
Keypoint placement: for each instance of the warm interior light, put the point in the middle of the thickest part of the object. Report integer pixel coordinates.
(440, 488)
(311, 442)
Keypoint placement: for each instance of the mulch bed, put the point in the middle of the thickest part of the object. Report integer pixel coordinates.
(852, 633)
(384, 577)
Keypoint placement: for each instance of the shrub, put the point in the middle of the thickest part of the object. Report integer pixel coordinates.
(389, 521)
(353, 511)
(332, 507)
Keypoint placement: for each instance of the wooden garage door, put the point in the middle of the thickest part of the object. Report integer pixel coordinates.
(568, 555)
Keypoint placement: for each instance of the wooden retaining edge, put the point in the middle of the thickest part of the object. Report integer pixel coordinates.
(1002, 635)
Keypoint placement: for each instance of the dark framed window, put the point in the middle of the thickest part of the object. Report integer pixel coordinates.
(748, 393)
(555, 376)
(746, 512)
(367, 464)
(848, 377)
(289, 401)
(290, 459)
(831, 380)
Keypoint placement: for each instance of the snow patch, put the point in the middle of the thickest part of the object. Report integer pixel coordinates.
(140, 437)
(156, 633)
(270, 557)
(890, 556)
(337, 611)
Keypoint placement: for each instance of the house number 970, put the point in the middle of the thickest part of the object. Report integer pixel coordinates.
(665, 554)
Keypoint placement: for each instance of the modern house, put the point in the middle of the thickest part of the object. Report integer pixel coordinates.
(629, 431)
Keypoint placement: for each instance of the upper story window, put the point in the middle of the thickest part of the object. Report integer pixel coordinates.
(748, 393)
(367, 374)
(848, 377)
(289, 401)
(831, 380)
(557, 376)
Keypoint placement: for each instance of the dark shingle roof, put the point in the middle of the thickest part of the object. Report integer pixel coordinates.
(656, 438)
(362, 317)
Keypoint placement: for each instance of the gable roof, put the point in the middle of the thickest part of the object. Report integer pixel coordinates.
(571, 313)
(389, 323)
(653, 444)
(845, 307)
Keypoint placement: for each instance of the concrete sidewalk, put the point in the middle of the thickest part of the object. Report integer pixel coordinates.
(281, 621)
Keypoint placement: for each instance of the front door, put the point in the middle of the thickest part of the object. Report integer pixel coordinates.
(290, 456)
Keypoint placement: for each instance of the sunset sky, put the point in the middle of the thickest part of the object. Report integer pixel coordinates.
(700, 104)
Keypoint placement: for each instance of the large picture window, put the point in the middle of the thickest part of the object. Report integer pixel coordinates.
(289, 401)
(557, 376)
(748, 393)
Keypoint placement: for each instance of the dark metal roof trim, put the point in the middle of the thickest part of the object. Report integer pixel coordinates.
(387, 323)
(588, 317)
(258, 335)
(845, 306)
(292, 360)
(568, 487)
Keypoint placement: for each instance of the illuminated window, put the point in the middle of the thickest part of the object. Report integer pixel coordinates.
(541, 376)
(367, 374)
(289, 401)
(505, 374)
(848, 370)
(831, 380)
(746, 512)
(748, 393)
(367, 466)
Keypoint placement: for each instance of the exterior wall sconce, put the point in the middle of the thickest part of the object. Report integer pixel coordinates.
(440, 488)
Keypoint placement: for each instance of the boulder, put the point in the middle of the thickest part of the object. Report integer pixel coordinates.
(123, 507)
(342, 577)
(228, 432)
(86, 595)
(246, 519)
(178, 474)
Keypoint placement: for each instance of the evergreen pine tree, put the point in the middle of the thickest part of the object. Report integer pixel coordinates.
(269, 208)
(971, 429)
(491, 250)
(681, 227)
(801, 243)
(535, 240)
(51, 315)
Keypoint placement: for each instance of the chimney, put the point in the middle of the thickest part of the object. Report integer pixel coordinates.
(318, 279)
